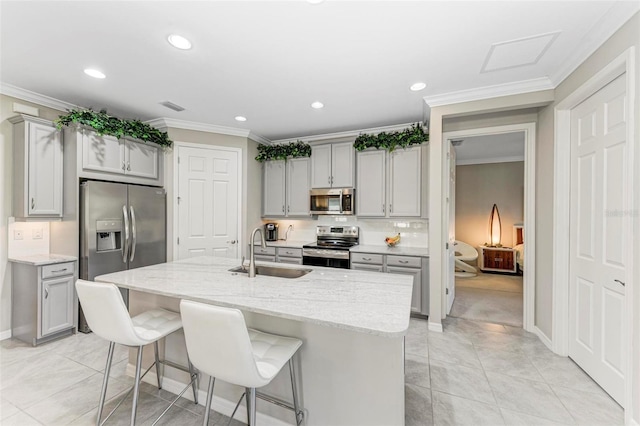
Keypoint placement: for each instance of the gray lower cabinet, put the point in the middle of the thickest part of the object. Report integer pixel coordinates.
(416, 266)
(290, 255)
(44, 301)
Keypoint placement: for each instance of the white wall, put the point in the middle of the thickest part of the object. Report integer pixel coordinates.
(478, 187)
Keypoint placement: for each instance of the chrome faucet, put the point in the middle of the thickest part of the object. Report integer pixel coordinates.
(252, 251)
(286, 235)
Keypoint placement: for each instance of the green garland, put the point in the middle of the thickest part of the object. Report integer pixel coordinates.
(283, 151)
(104, 124)
(413, 135)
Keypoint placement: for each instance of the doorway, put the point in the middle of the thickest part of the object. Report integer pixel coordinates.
(207, 201)
(516, 291)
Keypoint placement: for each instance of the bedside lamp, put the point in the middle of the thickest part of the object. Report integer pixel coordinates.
(495, 227)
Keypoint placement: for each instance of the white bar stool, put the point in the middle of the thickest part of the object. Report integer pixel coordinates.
(108, 318)
(220, 345)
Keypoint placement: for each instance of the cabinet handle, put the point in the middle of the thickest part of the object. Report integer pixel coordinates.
(288, 209)
(366, 258)
(59, 270)
(619, 282)
(128, 166)
(403, 261)
(329, 179)
(390, 208)
(283, 208)
(46, 292)
(33, 203)
(124, 166)
(383, 209)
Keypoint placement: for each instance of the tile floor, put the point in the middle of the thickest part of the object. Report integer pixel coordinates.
(488, 297)
(474, 373)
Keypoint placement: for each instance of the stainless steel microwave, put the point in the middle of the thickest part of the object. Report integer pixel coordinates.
(333, 201)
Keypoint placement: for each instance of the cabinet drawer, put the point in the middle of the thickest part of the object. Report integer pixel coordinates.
(263, 258)
(58, 269)
(291, 260)
(406, 261)
(269, 251)
(365, 267)
(289, 252)
(372, 259)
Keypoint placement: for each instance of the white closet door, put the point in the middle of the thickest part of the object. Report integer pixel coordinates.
(208, 213)
(598, 236)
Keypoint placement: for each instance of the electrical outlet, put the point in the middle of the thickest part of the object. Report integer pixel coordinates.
(37, 234)
(18, 234)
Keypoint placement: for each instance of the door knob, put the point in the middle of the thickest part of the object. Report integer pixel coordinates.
(231, 242)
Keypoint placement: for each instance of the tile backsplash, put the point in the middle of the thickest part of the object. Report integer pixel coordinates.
(414, 232)
(27, 238)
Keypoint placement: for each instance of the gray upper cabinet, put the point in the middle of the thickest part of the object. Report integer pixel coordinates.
(108, 154)
(286, 188)
(38, 161)
(332, 165)
(390, 184)
(371, 183)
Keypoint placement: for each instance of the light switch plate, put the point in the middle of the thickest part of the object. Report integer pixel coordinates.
(18, 234)
(37, 234)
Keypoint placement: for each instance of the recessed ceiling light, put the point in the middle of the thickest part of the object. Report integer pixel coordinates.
(94, 73)
(317, 105)
(241, 118)
(417, 86)
(179, 42)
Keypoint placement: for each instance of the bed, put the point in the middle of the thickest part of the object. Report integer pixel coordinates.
(518, 244)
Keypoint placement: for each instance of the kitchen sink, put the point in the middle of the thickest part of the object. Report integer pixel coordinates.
(273, 271)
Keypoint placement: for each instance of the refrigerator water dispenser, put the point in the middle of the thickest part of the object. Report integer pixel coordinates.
(108, 234)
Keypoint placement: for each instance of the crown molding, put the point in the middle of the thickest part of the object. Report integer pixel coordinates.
(257, 138)
(617, 15)
(488, 92)
(29, 96)
(346, 134)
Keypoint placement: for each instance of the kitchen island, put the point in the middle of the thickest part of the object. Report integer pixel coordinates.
(352, 324)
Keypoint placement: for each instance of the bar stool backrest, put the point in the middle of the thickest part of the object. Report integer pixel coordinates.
(106, 313)
(218, 343)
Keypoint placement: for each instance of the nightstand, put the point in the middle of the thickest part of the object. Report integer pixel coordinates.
(497, 259)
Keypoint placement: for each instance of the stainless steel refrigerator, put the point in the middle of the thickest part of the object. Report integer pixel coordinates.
(122, 227)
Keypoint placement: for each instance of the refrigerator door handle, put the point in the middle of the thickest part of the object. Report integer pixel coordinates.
(133, 234)
(125, 245)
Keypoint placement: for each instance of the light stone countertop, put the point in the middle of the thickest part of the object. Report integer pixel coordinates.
(360, 301)
(397, 250)
(287, 244)
(42, 259)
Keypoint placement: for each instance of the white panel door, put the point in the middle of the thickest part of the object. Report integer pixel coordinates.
(208, 191)
(598, 236)
(451, 206)
(371, 181)
(405, 182)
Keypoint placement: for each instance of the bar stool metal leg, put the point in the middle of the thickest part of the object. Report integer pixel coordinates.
(105, 381)
(299, 415)
(136, 389)
(155, 349)
(207, 410)
(193, 375)
(251, 406)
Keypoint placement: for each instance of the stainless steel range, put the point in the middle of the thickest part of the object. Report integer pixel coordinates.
(332, 246)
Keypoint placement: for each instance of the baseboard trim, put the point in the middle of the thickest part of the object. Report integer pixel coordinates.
(219, 404)
(4, 335)
(543, 337)
(435, 327)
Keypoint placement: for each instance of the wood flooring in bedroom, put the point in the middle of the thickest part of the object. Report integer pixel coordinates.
(494, 298)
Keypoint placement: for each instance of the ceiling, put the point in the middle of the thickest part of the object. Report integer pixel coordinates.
(498, 148)
(268, 61)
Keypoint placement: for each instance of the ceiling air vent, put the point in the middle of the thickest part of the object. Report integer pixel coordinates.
(172, 106)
